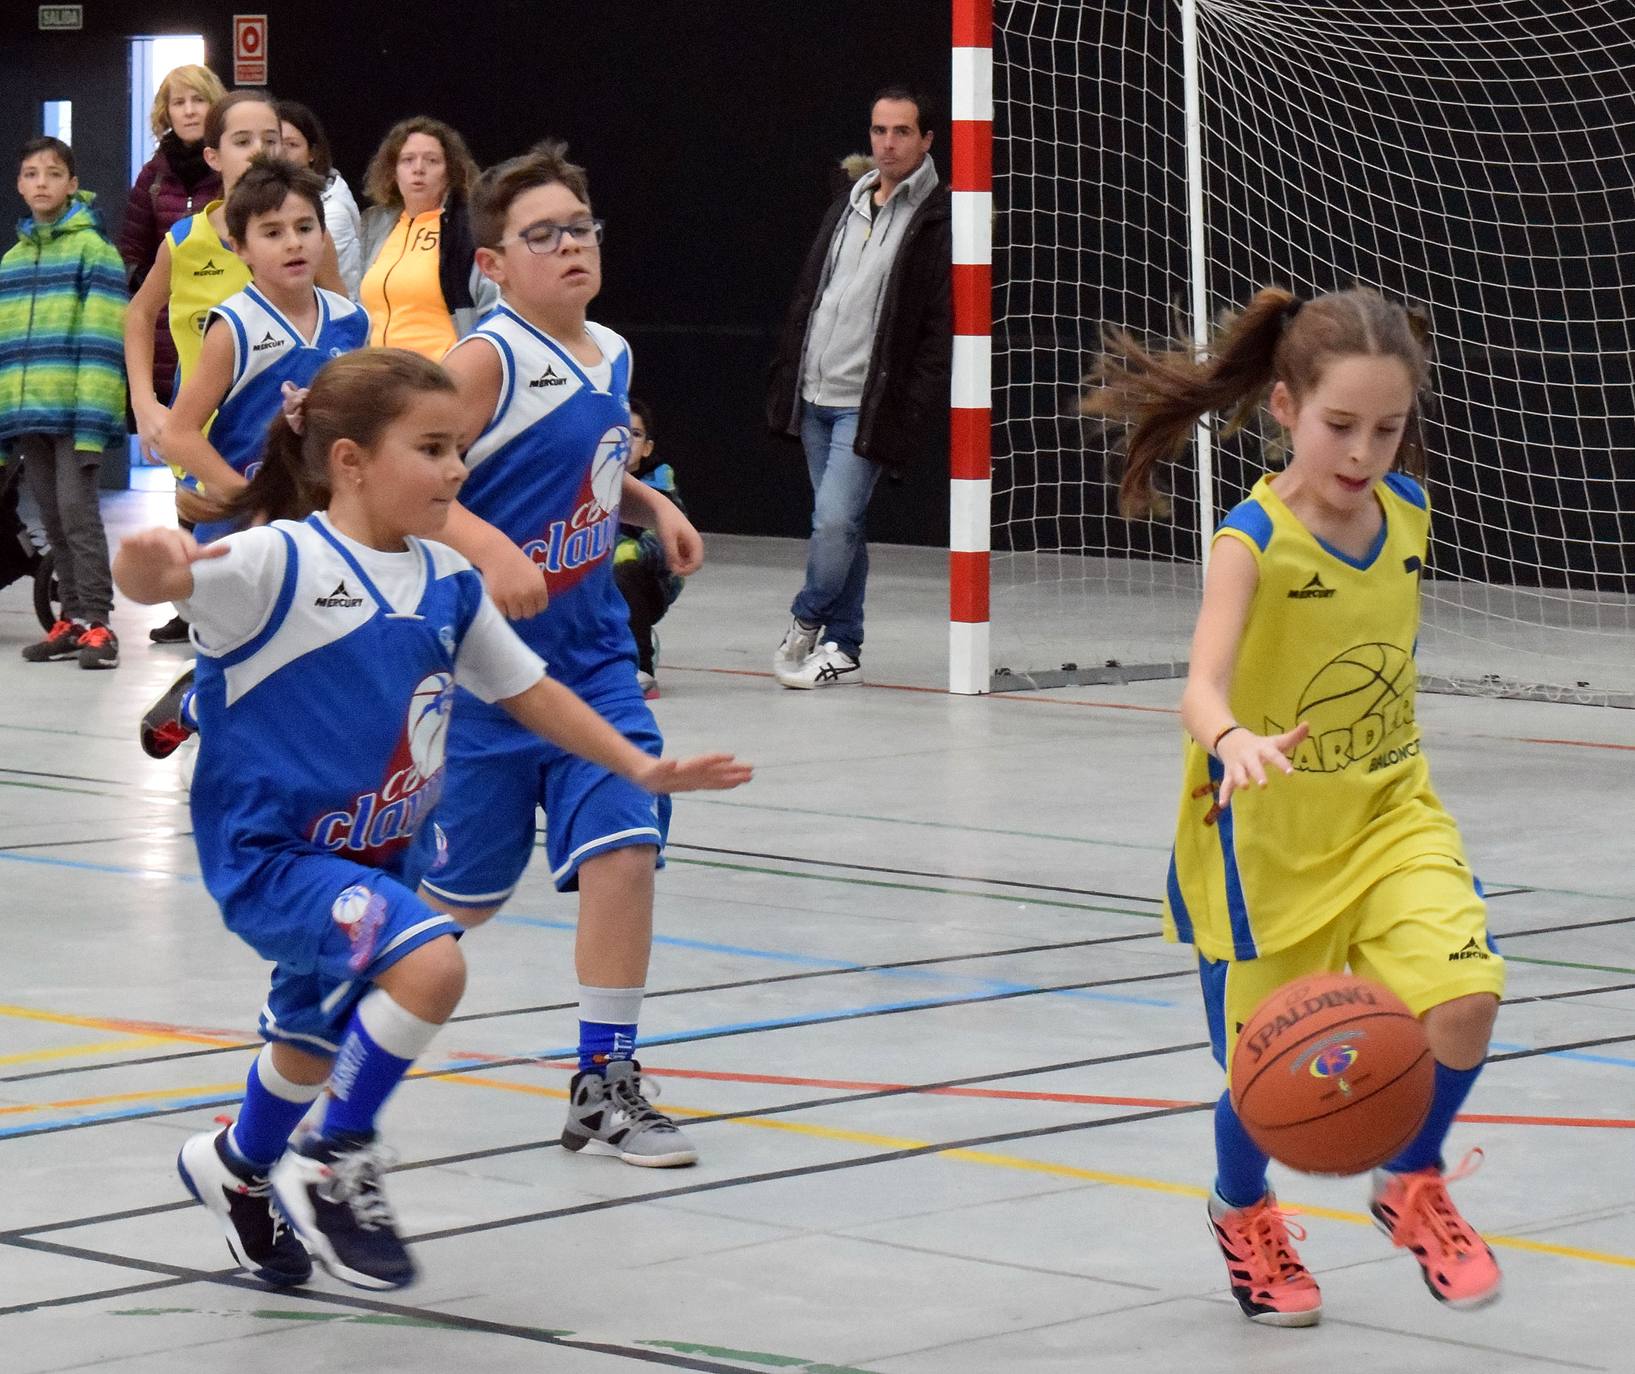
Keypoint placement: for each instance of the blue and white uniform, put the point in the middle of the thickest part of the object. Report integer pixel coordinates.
(547, 471)
(326, 675)
(267, 352)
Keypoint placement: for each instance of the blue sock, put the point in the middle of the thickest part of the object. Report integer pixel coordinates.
(273, 1107)
(1240, 1164)
(380, 1044)
(1425, 1149)
(607, 1025)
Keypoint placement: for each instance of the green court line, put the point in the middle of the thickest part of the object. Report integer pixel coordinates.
(1566, 963)
(1007, 898)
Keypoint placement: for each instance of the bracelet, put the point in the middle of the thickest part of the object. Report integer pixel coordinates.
(1216, 746)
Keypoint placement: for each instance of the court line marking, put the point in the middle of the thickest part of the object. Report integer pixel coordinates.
(103, 1047)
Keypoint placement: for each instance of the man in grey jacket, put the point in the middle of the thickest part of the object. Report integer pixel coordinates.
(862, 374)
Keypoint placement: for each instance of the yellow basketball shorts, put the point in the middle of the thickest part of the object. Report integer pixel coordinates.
(1421, 931)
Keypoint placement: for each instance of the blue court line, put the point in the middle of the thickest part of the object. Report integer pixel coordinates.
(118, 870)
(816, 961)
(1579, 1055)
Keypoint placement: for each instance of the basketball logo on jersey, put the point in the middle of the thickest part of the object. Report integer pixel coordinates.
(1360, 706)
(360, 913)
(569, 548)
(386, 818)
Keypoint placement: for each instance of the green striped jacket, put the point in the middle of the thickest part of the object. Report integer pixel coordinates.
(62, 318)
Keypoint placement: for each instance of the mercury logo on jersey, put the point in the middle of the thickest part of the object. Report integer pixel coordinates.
(569, 548)
(1313, 590)
(340, 598)
(548, 378)
(386, 818)
(209, 269)
(268, 340)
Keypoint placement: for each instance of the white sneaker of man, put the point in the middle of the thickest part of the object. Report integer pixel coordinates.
(829, 666)
(798, 642)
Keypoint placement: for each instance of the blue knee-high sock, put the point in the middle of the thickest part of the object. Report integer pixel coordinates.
(607, 1025)
(273, 1107)
(380, 1044)
(1425, 1149)
(1240, 1164)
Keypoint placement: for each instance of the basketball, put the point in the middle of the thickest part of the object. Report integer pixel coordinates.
(1332, 1074)
(428, 722)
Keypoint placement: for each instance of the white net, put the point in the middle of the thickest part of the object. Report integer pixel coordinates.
(1478, 158)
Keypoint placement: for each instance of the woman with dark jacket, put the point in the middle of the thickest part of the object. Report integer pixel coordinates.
(421, 285)
(174, 183)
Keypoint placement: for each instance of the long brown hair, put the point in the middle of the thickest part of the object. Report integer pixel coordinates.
(1160, 394)
(380, 181)
(356, 396)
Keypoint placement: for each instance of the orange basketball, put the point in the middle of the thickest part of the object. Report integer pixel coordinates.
(1332, 1074)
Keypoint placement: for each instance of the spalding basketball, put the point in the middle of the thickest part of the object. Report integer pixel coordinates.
(1332, 1074)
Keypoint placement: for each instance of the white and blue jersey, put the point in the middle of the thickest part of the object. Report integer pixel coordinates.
(323, 703)
(547, 471)
(267, 352)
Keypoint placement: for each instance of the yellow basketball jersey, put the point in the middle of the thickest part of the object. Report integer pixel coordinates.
(1329, 641)
(203, 273)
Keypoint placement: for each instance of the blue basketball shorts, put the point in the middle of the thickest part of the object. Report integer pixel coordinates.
(500, 775)
(330, 928)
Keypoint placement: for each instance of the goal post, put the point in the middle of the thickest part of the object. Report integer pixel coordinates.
(1150, 163)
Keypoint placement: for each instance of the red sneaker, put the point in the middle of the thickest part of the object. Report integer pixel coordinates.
(1417, 1213)
(61, 641)
(1270, 1283)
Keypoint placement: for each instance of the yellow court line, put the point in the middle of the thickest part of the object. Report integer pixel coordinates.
(1038, 1166)
(203, 1090)
(58, 1018)
(135, 1042)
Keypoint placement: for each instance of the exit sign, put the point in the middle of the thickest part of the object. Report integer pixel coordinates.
(62, 16)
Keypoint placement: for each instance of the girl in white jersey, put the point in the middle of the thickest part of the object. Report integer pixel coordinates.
(346, 631)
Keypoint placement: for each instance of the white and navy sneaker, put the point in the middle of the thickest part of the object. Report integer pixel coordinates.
(610, 1115)
(258, 1235)
(331, 1192)
(830, 666)
(798, 642)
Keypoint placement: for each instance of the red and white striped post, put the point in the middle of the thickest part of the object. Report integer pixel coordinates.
(970, 448)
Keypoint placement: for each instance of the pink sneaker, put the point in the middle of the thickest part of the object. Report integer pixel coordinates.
(1270, 1283)
(1417, 1213)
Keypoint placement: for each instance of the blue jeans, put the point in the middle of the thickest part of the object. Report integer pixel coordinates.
(837, 560)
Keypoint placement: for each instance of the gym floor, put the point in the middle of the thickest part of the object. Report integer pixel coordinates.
(909, 996)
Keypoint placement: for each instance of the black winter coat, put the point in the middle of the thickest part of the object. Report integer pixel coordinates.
(904, 413)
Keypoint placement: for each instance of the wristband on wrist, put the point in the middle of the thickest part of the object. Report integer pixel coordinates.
(1216, 746)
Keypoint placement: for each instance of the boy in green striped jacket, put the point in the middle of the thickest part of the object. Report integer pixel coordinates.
(62, 387)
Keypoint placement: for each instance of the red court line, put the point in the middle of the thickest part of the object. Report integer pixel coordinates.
(1012, 1095)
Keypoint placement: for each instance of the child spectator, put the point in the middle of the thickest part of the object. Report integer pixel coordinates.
(62, 387)
(639, 565)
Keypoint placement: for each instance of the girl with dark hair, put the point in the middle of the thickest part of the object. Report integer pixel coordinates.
(421, 285)
(1309, 837)
(349, 628)
(307, 145)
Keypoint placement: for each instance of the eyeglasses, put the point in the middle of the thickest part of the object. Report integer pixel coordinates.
(547, 238)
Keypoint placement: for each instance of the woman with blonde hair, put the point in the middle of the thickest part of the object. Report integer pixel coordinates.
(420, 284)
(175, 182)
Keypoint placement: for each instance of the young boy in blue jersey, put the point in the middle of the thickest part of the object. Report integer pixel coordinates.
(546, 398)
(347, 632)
(277, 332)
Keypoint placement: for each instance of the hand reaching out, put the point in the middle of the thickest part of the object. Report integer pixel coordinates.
(702, 773)
(1247, 757)
(516, 584)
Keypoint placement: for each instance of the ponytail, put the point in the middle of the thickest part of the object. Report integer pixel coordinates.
(284, 487)
(1160, 395)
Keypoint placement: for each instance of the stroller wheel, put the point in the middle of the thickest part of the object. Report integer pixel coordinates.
(46, 603)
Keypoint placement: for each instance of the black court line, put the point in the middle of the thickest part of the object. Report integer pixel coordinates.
(1552, 930)
(1561, 1049)
(1506, 892)
(915, 873)
(66, 777)
(1558, 996)
(182, 1275)
(499, 1151)
(62, 844)
(178, 1276)
(468, 1017)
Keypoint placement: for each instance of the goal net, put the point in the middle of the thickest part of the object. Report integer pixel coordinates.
(1478, 158)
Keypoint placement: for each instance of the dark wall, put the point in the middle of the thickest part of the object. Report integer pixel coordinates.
(709, 132)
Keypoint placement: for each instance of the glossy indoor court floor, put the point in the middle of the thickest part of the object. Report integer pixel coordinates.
(909, 996)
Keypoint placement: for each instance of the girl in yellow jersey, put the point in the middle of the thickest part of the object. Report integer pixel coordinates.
(1309, 836)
